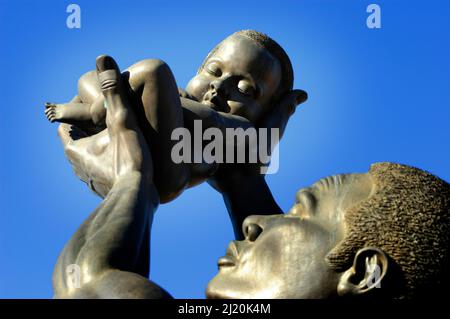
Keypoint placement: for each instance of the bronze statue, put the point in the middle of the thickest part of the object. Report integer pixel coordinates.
(380, 234)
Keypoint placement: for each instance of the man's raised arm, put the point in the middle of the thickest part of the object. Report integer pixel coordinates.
(244, 195)
(108, 257)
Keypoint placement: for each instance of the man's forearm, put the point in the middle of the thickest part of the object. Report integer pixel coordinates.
(117, 232)
(245, 196)
(113, 235)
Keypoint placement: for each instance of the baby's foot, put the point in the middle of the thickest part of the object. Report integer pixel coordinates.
(70, 113)
(55, 112)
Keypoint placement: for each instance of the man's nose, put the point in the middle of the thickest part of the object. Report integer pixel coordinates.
(252, 227)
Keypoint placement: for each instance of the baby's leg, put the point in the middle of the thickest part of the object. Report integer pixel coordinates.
(87, 109)
(90, 93)
(159, 112)
(88, 87)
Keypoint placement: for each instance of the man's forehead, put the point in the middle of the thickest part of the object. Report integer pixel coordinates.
(344, 189)
(322, 185)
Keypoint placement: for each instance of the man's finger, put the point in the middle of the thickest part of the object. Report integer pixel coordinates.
(115, 98)
(108, 74)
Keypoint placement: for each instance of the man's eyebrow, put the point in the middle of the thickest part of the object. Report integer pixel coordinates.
(298, 195)
(306, 198)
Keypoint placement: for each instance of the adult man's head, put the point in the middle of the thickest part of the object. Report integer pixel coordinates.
(384, 233)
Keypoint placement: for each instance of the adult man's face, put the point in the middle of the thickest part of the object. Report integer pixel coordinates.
(283, 256)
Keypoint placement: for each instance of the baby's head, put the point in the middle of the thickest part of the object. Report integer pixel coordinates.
(243, 75)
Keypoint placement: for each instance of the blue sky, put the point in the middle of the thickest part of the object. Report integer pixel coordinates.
(375, 95)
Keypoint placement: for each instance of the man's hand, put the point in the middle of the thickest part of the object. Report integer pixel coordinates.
(280, 113)
(101, 158)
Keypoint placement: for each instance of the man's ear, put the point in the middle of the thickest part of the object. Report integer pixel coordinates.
(369, 268)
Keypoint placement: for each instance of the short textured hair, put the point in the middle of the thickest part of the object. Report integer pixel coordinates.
(408, 217)
(266, 42)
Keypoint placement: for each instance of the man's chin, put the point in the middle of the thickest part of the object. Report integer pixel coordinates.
(225, 287)
(217, 289)
(221, 287)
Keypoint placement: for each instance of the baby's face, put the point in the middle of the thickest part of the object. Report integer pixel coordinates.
(239, 78)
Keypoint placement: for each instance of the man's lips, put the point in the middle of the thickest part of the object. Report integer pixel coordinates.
(231, 257)
(226, 261)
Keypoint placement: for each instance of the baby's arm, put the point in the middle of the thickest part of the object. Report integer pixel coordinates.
(193, 110)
